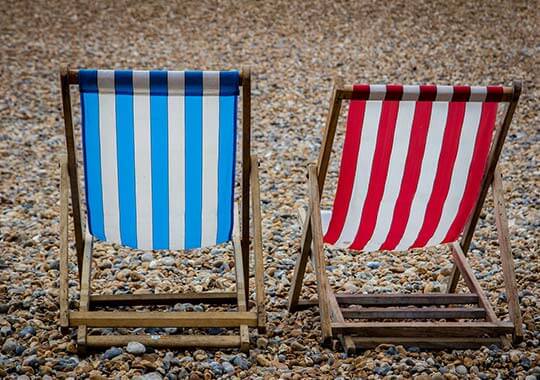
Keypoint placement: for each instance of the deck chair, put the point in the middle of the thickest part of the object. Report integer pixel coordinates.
(159, 173)
(416, 165)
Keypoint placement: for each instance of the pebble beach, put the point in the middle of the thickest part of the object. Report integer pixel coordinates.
(294, 49)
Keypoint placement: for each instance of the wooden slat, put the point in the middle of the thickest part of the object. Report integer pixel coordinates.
(406, 299)
(425, 343)
(337, 316)
(414, 313)
(72, 167)
(162, 319)
(246, 167)
(507, 260)
(165, 341)
(84, 302)
(73, 77)
(471, 281)
(240, 285)
(300, 266)
(399, 299)
(63, 260)
(346, 92)
(423, 329)
(323, 287)
(104, 300)
(322, 167)
(258, 244)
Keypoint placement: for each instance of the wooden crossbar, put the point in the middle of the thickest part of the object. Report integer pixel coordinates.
(414, 313)
(103, 300)
(347, 92)
(425, 343)
(407, 299)
(162, 319)
(398, 299)
(165, 341)
(424, 329)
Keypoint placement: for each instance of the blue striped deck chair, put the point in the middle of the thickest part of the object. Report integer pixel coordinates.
(159, 155)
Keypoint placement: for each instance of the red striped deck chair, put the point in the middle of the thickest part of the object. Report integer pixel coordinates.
(159, 158)
(416, 165)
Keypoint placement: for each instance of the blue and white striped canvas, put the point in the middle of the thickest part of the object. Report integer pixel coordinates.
(159, 156)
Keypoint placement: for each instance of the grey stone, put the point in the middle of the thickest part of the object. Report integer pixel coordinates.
(66, 364)
(10, 346)
(228, 367)
(241, 361)
(461, 370)
(136, 348)
(147, 257)
(5, 330)
(152, 376)
(168, 261)
(32, 361)
(383, 370)
(373, 264)
(216, 368)
(27, 331)
(112, 353)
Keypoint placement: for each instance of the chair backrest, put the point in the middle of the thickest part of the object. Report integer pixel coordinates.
(159, 156)
(412, 165)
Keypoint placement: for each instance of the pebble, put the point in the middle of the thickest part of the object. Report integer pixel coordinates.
(228, 368)
(136, 348)
(461, 370)
(297, 346)
(241, 361)
(11, 346)
(147, 257)
(27, 331)
(262, 343)
(217, 369)
(263, 361)
(112, 353)
(152, 376)
(373, 264)
(168, 261)
(200, 355)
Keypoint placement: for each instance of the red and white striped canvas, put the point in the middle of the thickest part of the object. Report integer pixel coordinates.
(412, 165)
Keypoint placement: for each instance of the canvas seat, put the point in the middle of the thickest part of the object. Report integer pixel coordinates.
(415, 169)
(159, 154)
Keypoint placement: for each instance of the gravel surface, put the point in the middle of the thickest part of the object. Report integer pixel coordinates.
(294, 49)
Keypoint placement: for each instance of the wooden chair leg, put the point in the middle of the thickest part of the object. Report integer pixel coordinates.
(471, 281)
(63, 261)
(240, 284)
(257, 245)
(323, 286)
(453, 280)
(84, 303)
(335, 312)
(507, 259)
(301, 262)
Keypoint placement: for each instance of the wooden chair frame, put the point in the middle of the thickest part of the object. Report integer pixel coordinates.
(87, 317)
(426, 334)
